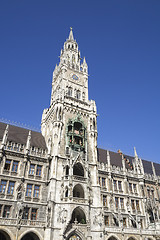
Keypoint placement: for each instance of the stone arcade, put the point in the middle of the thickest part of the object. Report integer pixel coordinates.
(57, 185)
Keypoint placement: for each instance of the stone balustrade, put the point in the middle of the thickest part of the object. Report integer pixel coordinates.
(23, 222)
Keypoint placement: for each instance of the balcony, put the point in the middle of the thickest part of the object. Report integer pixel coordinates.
(79, 178)
(79, 200)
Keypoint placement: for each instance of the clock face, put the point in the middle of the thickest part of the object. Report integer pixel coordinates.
(75, 77)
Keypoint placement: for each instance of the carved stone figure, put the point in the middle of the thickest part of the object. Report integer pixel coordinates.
(48, 215)
(62, 215)
(98, 218)
(20, 191)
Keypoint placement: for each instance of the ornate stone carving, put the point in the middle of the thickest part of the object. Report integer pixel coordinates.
(62, 215)
(98, 218)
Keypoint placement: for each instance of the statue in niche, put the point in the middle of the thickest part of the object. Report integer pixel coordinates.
(20, 209)
(48, 215)
(62, 215)
(20, 191)
(98, 218)
(62, 191)
(111, 202)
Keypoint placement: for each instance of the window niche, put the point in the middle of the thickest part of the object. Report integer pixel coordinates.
(76, 133)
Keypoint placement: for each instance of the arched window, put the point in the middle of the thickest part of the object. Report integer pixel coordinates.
(112, 238)
(66, 192)
(4, 235)
(67, 170)
(60, 114)
(78, 170)
(74, 237)
(69, 91)
(78, 94)
(94, 124)
(30, 236)
(78, 215)
(78, 191)
(83, 96)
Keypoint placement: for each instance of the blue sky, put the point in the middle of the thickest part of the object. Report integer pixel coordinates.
(121, 42)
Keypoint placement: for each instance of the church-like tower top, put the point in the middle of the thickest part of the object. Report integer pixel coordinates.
(70, 55)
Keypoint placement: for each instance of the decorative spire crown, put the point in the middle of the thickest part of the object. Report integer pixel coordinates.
(71, 38)
(135, 153)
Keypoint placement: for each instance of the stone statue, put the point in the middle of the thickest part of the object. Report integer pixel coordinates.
(20, 191)
(62, 215)
(98, 218)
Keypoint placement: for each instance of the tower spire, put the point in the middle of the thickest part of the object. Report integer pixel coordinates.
(135, 153)
(71, 38)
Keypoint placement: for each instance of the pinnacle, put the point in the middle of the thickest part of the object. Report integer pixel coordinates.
(135, 152)
(71, 35)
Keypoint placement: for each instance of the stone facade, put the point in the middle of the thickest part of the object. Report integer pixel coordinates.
(58, 185)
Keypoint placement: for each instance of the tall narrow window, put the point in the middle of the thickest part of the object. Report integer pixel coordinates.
(116, 202)
(34, 214)
(132, 204)
(39, 170)
(106, 220)
(14, 166)
(3, 186)
(99, 180)
(70, 91)
(120, 185)
(134, 188)
(32, 169)
(124, 222)
(104, 201)
(29, 190)
(11, 188)
(1, 210)
(115, 185)
(36, 191)
(7, 165)
(103, 182)
(78, 94)
(25, 213)
(130, 187)
(6, 211)
(122, 203)
(137, 205)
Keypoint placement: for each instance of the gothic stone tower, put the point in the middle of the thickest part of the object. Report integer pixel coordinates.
(70, 130)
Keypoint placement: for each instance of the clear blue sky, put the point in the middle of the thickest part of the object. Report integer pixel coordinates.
(121, 42)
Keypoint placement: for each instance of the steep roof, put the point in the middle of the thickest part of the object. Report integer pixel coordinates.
(116, 159)
(19, 135)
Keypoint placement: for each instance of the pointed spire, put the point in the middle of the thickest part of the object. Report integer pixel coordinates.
(5, 135)
(135, 153)
(71, 35)
(84, 61)
(28, 142)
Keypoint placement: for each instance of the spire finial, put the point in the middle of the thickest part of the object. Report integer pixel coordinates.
(135, 152)
(71, 35)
